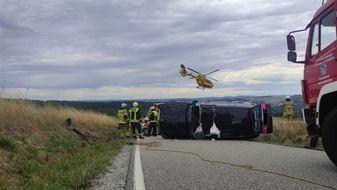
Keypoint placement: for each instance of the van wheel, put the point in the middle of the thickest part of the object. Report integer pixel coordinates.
(329, 135)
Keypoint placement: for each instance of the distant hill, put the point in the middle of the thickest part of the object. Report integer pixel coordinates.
(110, 107)
(274, 100)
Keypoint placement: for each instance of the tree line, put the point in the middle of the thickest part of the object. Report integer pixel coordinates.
(109, 108)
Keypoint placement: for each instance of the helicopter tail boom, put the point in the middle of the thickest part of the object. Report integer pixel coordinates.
(184, 72)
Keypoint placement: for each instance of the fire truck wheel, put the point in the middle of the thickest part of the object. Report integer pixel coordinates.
(329, 135)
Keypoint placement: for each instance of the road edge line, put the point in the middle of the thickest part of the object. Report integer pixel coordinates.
(138, 179)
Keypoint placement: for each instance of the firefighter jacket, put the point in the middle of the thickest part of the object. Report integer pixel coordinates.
(288, 107)
(134, 115)
(153, 116)
(122, 116)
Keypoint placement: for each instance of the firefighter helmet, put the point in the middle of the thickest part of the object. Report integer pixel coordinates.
(124, 105)
(135, 104)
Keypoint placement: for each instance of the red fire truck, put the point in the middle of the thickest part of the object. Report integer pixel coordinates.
(319, 85)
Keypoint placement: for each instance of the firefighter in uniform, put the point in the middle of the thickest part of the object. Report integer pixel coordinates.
(135, 116)
(288, 108)
(123, 121)
(153, 122)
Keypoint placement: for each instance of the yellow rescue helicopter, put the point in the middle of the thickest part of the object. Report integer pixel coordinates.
(202, 80)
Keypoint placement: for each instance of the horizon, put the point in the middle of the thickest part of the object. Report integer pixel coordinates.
(169, 99)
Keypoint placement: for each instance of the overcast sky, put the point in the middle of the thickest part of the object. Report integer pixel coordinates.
(132, 49)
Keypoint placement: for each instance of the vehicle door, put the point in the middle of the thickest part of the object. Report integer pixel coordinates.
(321, 55)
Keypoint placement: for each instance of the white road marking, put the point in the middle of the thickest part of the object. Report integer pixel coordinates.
(138, 178)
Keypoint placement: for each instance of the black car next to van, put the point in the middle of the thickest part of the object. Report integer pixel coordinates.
(197, 120)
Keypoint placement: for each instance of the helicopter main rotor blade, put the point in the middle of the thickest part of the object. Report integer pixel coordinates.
(212, 72)
(194, 71)
(212, 78)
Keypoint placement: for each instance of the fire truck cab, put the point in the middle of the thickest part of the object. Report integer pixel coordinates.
(319, 84)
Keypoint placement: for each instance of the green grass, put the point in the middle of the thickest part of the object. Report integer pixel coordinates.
(37, 151)
(6, 143)
(66, 164)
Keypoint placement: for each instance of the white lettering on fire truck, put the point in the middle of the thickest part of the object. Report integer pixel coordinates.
(312, 100)
(325, 81)
(325, 59)
(325, 77)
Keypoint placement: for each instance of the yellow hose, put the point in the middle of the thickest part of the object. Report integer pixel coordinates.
(249, 167)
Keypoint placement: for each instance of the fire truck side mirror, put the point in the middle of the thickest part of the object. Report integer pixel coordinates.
(291, 43)
(292, 56)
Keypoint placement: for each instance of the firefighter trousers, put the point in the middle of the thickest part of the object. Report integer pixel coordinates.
(137, 126)
(153, 129)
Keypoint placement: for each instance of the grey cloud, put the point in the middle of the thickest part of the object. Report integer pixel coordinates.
(91, 44)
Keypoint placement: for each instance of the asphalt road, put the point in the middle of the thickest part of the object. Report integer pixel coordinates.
(228, 164)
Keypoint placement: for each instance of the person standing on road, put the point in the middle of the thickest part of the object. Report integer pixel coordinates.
(153, 122)
(288, 108)
(135, 117)
(123, 121)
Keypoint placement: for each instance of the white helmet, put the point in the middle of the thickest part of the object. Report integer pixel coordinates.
(124, 105)
(135, 104)
(287, 97)
(152, 108)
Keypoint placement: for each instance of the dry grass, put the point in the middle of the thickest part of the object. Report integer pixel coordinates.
(21, 119)
(34, 138)
(289, 133)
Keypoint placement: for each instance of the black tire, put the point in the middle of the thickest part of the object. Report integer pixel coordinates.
(329, 135)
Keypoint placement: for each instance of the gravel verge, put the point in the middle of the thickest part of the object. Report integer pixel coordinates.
(116, 175)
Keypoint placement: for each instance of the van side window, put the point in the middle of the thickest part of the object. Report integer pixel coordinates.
(323, 33)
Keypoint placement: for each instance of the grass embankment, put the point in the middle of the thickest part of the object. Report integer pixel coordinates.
(288, 133)
(37, 151)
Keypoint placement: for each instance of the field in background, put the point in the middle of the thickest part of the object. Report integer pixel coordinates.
(37, 151)
(289, 133)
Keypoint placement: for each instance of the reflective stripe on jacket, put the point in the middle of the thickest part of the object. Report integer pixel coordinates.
(122, 116)
(153, 116)
(288, 107)
(134, 115)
